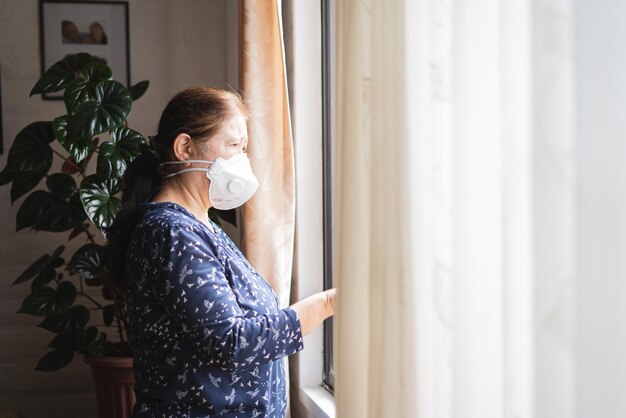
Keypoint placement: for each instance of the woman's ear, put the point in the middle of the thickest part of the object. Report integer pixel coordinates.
(182, 147)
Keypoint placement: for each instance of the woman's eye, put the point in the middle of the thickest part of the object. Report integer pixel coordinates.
(239, 147)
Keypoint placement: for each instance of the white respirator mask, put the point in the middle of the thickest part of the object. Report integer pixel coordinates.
(232, 181)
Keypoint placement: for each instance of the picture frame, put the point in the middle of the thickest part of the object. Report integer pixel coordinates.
(1, 127)
(99, 28)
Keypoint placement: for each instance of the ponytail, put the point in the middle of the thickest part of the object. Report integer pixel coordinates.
(141, 182)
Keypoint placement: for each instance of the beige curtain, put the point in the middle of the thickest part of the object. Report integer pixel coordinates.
(455, 209)
(374, 330)
(268, 218)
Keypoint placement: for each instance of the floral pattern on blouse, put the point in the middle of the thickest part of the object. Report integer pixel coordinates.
(207, 331)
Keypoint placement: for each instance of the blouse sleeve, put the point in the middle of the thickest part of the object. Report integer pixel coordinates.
(200, 300)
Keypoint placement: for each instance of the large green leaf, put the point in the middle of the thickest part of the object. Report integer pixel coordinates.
(138, 89)
(55, 211)
(71, 341)
(62, 216)
(40, 265)
(6, 176)
(86, 261)
(108, 314)
(98, 282)
(72, 319)
(99, 200)
(70, 166)
(109, 110)
(54, 360)
(32, 209)
(62, 186)
(33, 270)
(91, 334)
(79, 148)
(48, 301)
(29, 159)
(43, 279)
(61, 73)
(67, 210)
(82, 88)
(76, 92)
(96, 72)
(114, 155)
(97, 346)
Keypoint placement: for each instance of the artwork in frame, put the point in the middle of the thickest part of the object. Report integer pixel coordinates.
(1, 129)
(99, 28)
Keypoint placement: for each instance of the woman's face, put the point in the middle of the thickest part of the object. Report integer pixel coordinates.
(71, 33)
(230, 140)
(96, 32)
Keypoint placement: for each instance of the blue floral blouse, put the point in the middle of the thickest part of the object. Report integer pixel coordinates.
(207, 331)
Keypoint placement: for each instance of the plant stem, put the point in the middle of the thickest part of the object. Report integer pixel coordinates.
(70, 162)
(95, 302)
(89, 234)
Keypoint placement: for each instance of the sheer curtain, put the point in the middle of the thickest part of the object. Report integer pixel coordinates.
(455, 209)
(268, 218)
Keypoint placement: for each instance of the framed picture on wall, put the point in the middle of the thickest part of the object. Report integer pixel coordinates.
(1, 129)
(99, 28)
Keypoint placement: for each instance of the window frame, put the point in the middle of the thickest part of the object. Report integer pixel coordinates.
(327, 20)
(303, 42)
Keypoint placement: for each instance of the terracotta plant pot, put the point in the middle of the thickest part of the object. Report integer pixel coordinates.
(114, 385)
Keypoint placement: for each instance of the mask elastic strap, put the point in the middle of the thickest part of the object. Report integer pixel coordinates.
(187, 169)
(184, 171)
(187, 161)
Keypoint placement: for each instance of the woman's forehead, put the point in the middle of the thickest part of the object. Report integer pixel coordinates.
(234, 128)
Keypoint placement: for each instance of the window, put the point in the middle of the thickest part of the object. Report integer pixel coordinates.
(311, 105)
(327, 8)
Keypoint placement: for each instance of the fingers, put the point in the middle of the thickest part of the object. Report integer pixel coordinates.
(331, 297)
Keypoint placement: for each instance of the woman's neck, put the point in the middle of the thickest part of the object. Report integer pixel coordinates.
(181, 195)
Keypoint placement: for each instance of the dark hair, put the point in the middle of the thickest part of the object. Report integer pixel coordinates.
(65, 25)
(198, 112)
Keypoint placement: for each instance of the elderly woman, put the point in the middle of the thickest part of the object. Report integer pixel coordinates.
(207, 331)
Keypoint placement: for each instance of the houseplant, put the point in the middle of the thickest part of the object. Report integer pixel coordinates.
(78, 200)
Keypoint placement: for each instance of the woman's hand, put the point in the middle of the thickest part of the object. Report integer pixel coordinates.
(331, 297)
(312, 311)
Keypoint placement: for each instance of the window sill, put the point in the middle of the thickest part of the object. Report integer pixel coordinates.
(317, 402)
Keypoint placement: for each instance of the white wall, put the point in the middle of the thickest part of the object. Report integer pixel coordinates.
(601, 203)
(172, 44)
